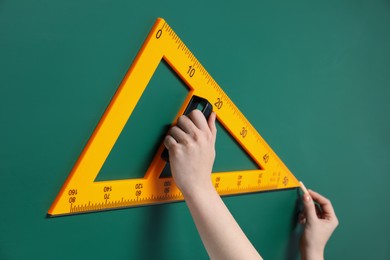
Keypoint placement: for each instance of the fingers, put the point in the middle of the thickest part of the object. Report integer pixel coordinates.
(178, 134)
(318, 207)
(211, 123)
(169, 142)
(326, 205)
(309, 208)
(205, 125)
(198, 119)
(187, 125)
(301, 219)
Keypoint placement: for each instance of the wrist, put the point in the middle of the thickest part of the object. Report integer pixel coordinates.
(309, 254)
(199, 192)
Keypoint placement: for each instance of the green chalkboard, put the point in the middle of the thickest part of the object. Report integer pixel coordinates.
(313, 78)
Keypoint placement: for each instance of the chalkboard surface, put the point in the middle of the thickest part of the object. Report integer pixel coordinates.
(312, 77)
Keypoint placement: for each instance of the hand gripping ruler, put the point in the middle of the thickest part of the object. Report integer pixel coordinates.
(81, 193)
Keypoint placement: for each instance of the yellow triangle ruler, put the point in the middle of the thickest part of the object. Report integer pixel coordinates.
(81, 193)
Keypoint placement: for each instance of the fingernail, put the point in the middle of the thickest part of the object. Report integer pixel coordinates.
(306, 197)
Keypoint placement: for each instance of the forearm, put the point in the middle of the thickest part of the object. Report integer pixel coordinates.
(315, 255)
(310, 251)
(220, 233)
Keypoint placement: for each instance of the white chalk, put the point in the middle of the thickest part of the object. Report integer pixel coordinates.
(304, 188)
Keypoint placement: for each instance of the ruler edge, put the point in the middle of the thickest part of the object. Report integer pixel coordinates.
(182, 200)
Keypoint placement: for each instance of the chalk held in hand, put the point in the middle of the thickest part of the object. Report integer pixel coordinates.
(306, 194)
(303, 188)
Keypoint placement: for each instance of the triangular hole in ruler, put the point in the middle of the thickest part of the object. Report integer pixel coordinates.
(230, 156)
(146, 127)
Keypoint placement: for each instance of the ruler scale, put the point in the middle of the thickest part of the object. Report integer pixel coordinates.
(81, 194)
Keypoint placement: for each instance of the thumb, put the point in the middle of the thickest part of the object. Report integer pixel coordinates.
(309, 208)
